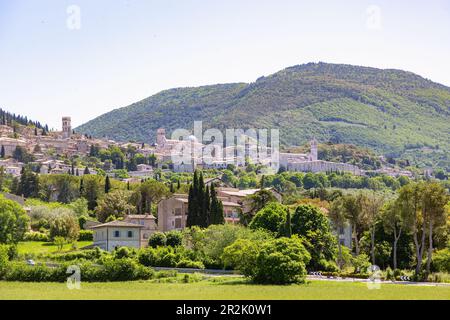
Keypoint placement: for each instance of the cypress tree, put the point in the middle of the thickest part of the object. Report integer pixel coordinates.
(178, 185)
(81, 187)
(191, 218)
(171, 188)
(107, 184)
(86, 170)
(216, 208)
(3, 153)
(206, 208)
(73, 169)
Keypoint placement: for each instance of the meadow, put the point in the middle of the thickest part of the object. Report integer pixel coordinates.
(39, 247)
(224, 288)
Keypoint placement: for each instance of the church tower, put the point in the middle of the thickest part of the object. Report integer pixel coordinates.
(313, 154)
(161, 137)
(66, 127)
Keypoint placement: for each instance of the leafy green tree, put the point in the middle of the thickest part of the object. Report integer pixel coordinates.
(352, 206)
(281, 261)
(434, 200)
(271, 217)
(157, 239)
(242, 255)
(28, 184)
(92, 190)
(64, 224)
(286, 228)
(13, 221)
(311, 224)
(21, 155)
(337, 215)
(371, 214)
(394, 224)
(148, 193)
(174, 238)
(114, 204)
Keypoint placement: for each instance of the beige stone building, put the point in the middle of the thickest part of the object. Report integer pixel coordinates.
(172, 212)
(148, 223)
(111, 235)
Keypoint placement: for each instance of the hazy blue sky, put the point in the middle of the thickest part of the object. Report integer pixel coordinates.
(54, 62)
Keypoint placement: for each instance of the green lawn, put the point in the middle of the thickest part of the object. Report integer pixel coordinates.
(37, 247)
(228, 289)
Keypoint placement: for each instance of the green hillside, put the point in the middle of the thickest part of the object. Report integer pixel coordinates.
(389, 111)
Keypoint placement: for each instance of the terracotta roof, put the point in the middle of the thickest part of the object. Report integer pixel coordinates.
(140, 216)
(117, 223)
(230, 204)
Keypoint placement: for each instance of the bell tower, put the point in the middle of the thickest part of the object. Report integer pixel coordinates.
(66, 127)
(313, 153)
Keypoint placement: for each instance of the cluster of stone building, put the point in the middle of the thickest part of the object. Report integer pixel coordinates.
(135, 230)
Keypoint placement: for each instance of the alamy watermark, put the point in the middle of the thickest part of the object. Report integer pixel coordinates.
(214, 148)
(74, 279)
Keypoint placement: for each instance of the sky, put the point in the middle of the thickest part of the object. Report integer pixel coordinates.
(82, 58)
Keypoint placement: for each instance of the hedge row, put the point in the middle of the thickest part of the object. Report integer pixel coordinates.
(111, 270)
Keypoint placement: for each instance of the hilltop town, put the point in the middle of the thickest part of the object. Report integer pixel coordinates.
(66, 151)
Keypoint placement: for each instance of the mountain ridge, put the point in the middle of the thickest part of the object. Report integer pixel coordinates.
(388, 110)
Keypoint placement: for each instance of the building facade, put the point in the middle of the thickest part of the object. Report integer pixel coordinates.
(111, 235)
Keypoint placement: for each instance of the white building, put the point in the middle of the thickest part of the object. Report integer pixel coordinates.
(111, 235)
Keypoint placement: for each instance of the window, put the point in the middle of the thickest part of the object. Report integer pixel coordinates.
(178, 211)
(116, 234)
(177, 223)
(341, 230)
(130, 234)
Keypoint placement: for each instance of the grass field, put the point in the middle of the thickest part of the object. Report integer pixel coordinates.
(37, 247)
(225, 289)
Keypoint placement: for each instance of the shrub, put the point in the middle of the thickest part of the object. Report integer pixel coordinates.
(361, 262)
(157, 239)
(111, 270)
(282, 261)
(3, 259)
(168, 257)
(241, 255)
(441, 260)
(86, 235)
(36, 236)
(123, 252)
(91, 254)
(64, 224)
(174, 238)
(125, 270)
(19, 271)
(271, 217)
(81, 221)
(190, 264)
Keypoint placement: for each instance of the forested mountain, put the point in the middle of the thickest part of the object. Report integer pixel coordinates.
(389, 111)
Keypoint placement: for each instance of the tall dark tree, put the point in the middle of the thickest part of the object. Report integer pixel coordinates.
(2, 152)
(107, 184)
(193, 203)
(86, 170)
(81, 187)
(216, 211)
(28, 184)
